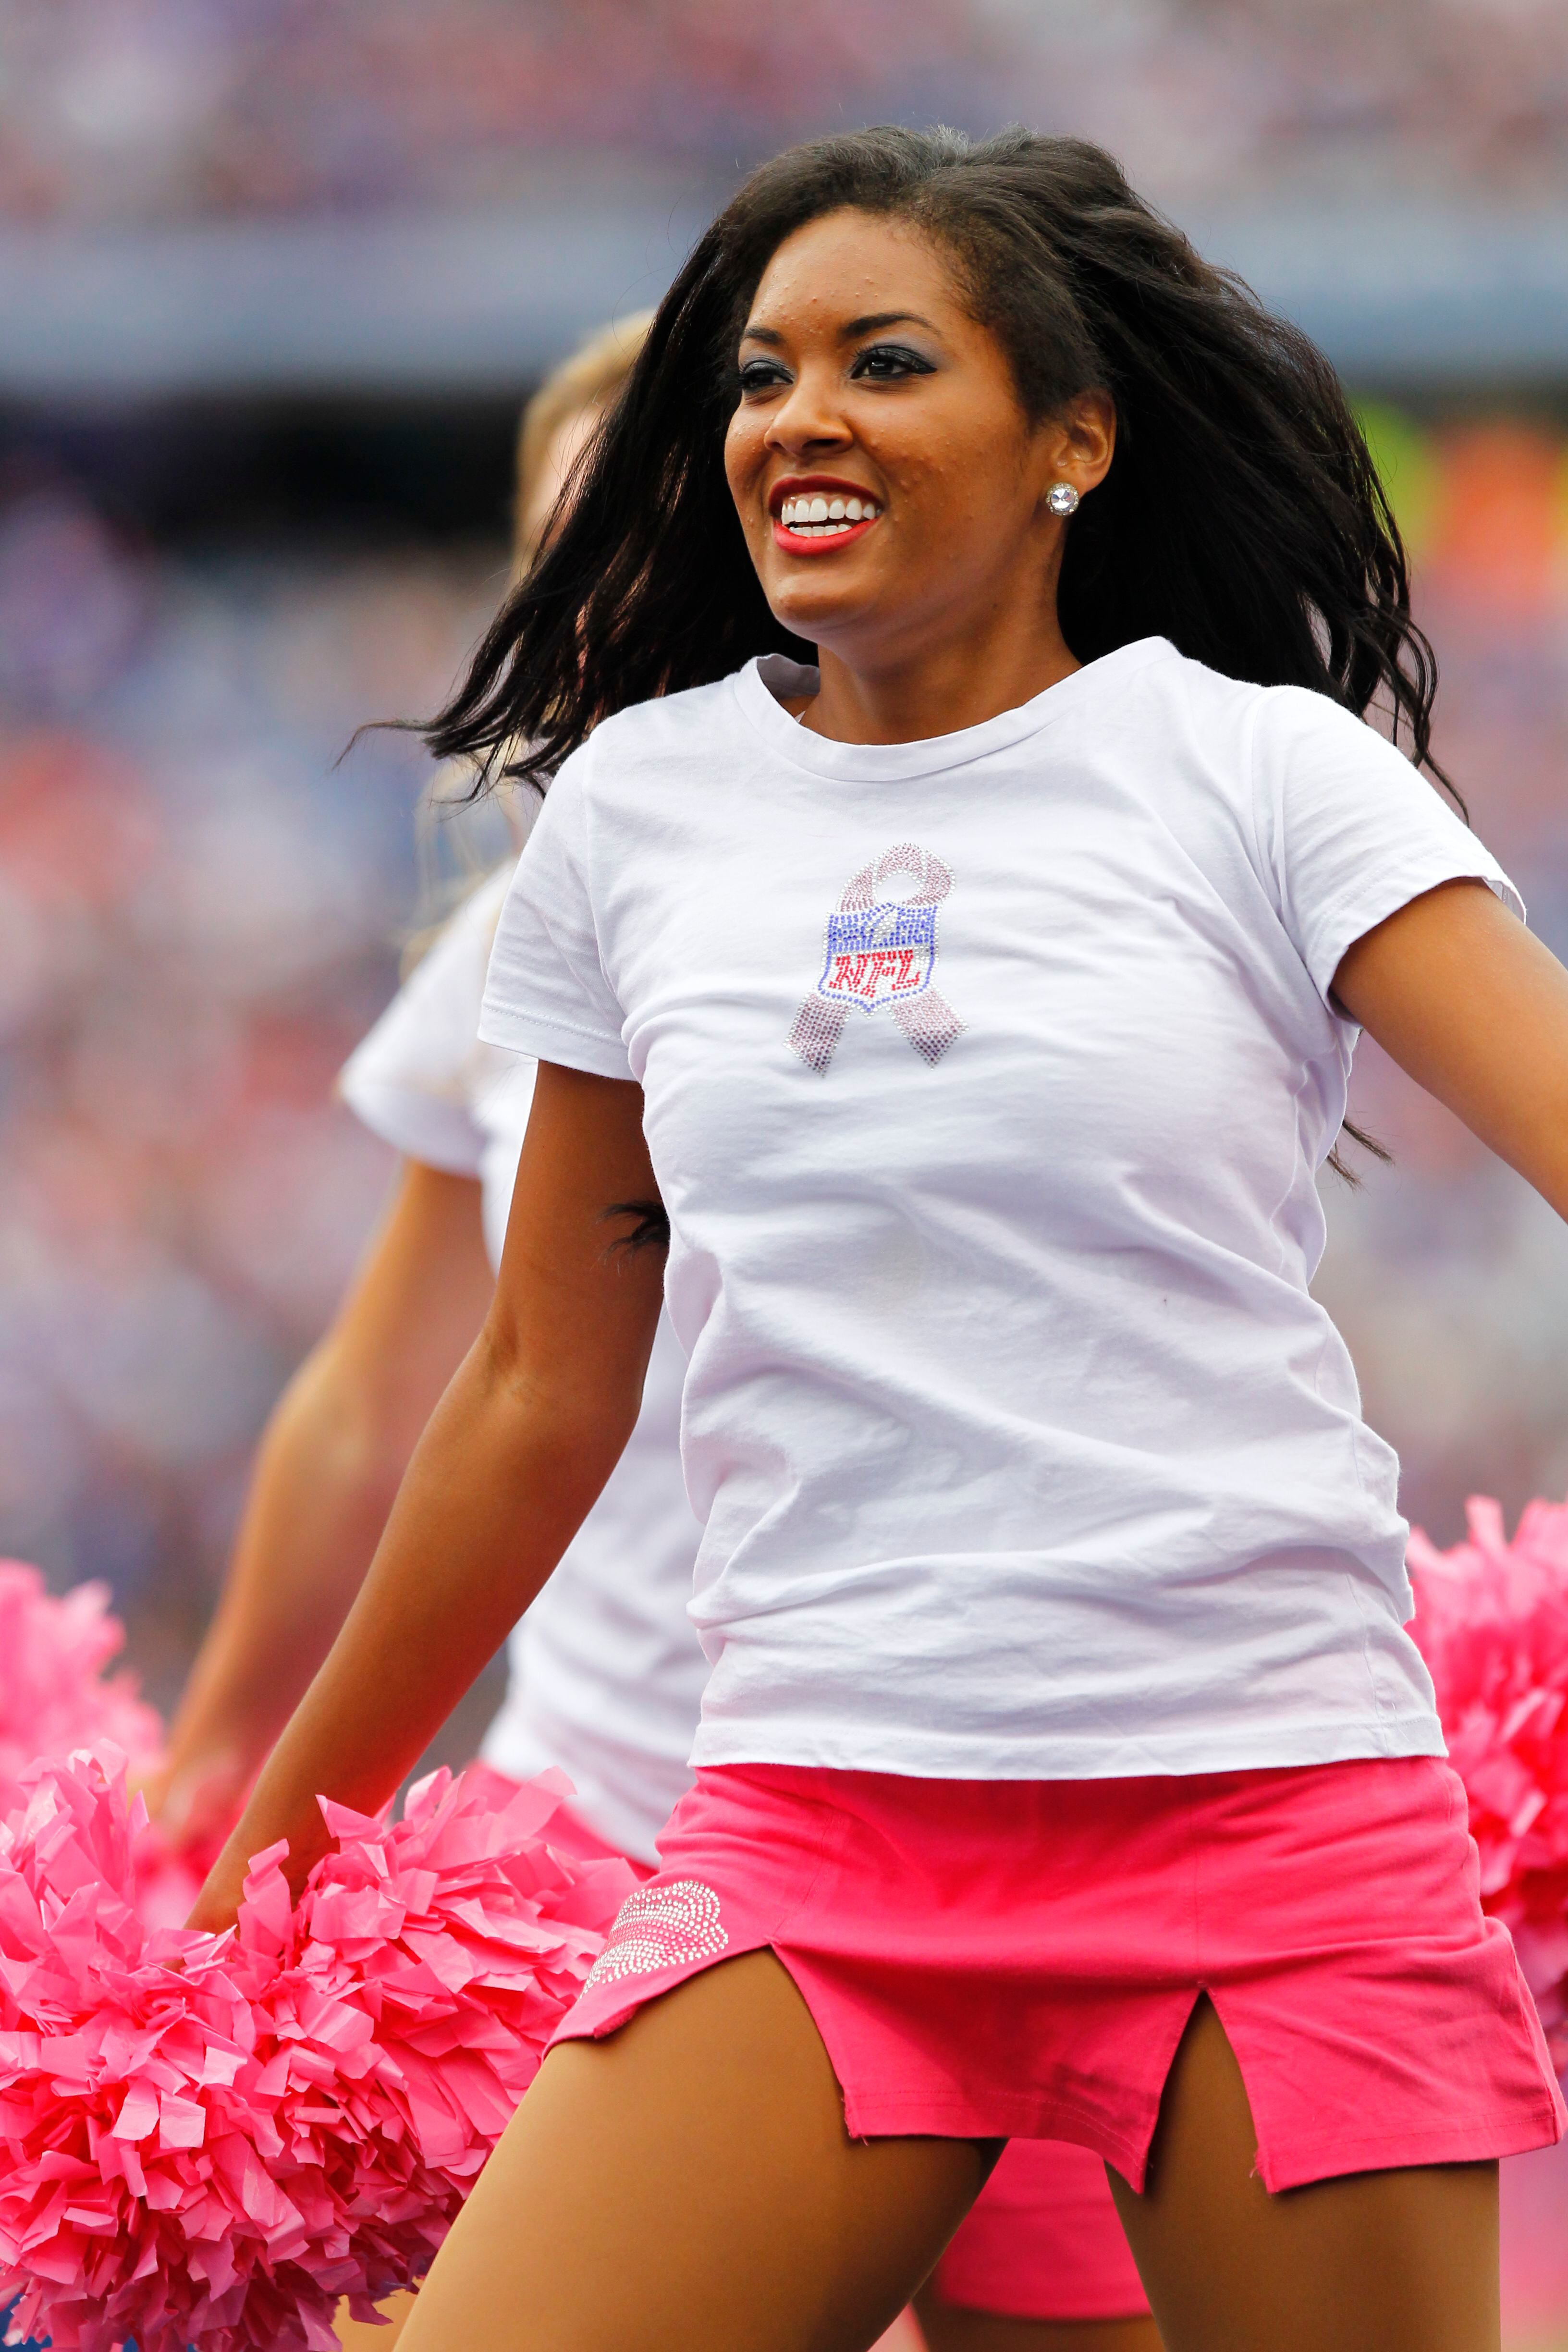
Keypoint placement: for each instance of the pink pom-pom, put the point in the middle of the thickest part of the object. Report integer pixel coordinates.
(56, 1699)
(1491, 1621)
(54, 1694)
(211, 2140)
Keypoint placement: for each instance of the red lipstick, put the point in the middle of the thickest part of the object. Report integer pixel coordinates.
(798, 490)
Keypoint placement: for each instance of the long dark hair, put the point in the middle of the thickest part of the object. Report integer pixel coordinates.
(1242, 515)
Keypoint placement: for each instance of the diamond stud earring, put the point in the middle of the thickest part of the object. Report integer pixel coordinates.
(1062, 499)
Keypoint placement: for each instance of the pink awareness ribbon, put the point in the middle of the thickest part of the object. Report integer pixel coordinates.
(882, 953)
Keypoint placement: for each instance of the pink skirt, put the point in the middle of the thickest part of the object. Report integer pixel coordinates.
(1042, 2240)
(1019, 1959)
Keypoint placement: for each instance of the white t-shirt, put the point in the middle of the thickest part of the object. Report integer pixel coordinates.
(986, 1083)
(605, 1671)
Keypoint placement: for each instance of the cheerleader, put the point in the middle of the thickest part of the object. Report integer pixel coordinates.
(339, 1437)
(605, 1674)
(965, 874)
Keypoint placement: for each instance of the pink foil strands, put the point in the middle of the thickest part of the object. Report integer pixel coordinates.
(207, 2141)
(1491, 1621)
(55, 1698)
(54, 1695)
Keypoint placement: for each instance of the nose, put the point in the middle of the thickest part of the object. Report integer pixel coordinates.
(808, 420)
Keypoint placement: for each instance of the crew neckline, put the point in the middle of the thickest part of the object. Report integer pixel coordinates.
(766, 676)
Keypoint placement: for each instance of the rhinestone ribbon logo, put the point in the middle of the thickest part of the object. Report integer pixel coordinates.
(881, 951)
(661, 1927)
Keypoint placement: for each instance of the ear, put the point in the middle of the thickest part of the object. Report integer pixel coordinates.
(1079, 442)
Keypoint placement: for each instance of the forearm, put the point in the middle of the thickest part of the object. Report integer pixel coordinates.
(509, 1465)
(327, 1469)
(325, 1477)
(498, 1486)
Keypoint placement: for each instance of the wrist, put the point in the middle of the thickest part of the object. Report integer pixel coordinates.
(199, 1791)
(230, 1734)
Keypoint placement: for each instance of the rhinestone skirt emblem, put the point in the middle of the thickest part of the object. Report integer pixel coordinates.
(661, 1927)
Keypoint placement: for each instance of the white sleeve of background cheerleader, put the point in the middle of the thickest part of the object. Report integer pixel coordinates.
(547, 993)
(412, 1080)
(1348, 832)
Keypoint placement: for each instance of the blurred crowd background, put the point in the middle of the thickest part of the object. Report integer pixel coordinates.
(182, 109)
(275, 275)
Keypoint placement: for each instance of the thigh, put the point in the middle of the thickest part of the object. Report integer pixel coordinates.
(686, 2185)
(1379, 2262)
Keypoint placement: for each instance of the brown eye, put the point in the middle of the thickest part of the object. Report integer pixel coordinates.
(761, 375)
(882, 363)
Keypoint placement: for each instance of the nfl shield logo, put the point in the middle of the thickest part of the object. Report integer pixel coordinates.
(877, 954)
(883, 952)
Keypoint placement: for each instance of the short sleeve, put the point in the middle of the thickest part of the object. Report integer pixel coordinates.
(1348, 830)
(547, 993)
(415, 1078)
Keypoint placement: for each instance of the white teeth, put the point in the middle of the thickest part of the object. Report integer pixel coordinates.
(817, 517)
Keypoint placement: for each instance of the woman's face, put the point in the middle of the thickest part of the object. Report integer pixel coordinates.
(561, 452)
(888, 481)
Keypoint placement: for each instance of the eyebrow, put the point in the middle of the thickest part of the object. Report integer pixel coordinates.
(876, 318)
(869, 325)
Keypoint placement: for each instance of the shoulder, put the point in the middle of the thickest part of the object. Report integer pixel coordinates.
(475, 918)
(415, 1078)
(1272, 724)
(1156, 671)
(1282, 713)
(1177, 682)
(1179, 734)
(635, 769)
(1151, 698)
(1306, 746)
(646, 729)
(453, 964)
(1296, 714)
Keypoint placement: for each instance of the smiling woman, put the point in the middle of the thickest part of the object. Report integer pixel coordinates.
(911, 415)
(960, 916)
(1238, 512)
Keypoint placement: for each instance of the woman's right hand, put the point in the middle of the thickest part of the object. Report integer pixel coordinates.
(196, 1798)
(217, 1906)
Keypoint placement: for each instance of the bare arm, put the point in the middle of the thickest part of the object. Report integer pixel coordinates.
(1475, 1011)
(513, 1458)
(327, 1470)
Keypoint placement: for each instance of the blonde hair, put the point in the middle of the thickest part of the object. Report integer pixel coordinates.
(457, 844)
(589, 379)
